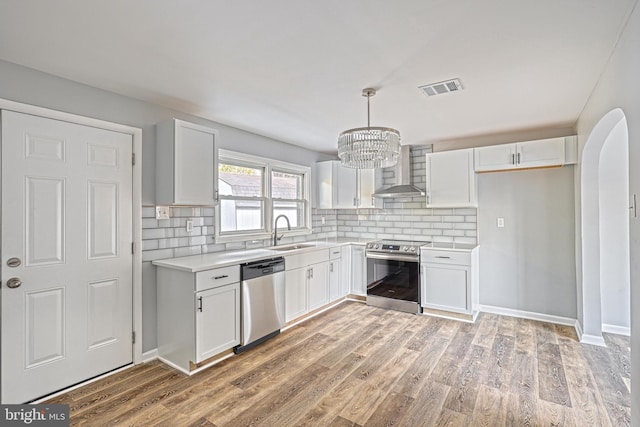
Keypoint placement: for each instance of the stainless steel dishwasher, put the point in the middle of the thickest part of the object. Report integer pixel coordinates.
(262, 301)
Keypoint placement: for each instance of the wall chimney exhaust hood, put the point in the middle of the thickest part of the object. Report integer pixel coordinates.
(403, 187)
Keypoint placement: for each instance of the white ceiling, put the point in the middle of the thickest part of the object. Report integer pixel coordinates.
(294, 69)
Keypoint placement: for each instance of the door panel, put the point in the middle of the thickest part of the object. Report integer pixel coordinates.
(67, 215)
(44, 217)
(45, 331)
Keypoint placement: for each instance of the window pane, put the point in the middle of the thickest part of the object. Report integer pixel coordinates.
(293, 210)
(241, 215)
(241, 181)
(286, 185)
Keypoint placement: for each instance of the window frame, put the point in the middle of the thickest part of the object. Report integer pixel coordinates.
(268, 166)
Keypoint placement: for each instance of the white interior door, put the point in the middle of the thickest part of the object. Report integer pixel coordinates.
(67, 222)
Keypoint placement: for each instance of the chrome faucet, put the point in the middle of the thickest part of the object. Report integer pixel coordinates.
(275, 229)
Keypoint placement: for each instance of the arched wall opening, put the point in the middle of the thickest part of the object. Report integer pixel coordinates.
(604, 237)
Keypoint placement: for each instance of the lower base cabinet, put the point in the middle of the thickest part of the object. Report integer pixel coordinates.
(449, 280)
(198, 314)
(295, 293)
(217, 320)
(358, 270)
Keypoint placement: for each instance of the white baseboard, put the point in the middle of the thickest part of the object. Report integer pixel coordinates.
(150, 355)
(593, 340)
(618, 330)
(549, 318)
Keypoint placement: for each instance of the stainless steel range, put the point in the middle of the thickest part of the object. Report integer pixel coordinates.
(393, 275)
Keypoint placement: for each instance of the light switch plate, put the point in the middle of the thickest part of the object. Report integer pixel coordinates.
(162, 212)
(500, 222)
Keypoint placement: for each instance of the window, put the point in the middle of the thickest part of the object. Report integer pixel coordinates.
(253, 192)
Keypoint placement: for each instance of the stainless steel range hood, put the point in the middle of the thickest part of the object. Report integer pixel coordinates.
(403, 187)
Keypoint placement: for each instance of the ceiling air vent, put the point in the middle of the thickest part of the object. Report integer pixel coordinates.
(439, 88)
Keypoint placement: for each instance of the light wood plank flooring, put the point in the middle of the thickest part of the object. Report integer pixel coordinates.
(359, 365)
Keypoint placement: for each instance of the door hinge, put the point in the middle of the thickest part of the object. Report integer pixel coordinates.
(133, 159)
(133, 337)
(133, 248)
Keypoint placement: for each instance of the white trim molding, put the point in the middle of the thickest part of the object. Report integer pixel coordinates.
(618, 330)
(558, 320)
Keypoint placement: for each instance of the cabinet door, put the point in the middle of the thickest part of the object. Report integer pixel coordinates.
(345, 187)
(543, 152)
(358, 270)
(335, 279)
(345, 274)
(217, 320)
(323, 178)
(366, 187)
(318, 278)
(495, 157)
(295, 296)
(185, 164)
(451, 179)
(445, 287)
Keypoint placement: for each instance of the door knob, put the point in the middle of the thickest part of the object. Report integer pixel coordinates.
(14, 262)
(14, 282)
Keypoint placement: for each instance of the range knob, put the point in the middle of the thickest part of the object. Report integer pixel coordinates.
(405, 248)
(412, 249)
(376, 246)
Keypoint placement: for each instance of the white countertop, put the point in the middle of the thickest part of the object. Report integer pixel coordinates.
(195, 263)
(463, 247)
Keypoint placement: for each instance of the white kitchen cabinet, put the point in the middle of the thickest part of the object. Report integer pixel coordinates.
(449, 281)
(198, 314)
(318, 285)
(345, 270)
(306, 282)
(185, 164)
(451, 180)
(337, 187)
(358, 270)
(336, 274)
(528, 154)
(217, 320)
(295, 295)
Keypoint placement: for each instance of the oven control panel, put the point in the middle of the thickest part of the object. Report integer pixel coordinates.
(393, 247)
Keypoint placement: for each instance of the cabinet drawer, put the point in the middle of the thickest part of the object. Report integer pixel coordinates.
(335, 253)
(217, 277)
(445, 257)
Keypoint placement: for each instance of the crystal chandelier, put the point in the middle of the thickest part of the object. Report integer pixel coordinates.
(370, 147)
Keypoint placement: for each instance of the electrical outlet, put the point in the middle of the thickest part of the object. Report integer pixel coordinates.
(162, 212)
(322, 219)
(500, 222)
(189, 225)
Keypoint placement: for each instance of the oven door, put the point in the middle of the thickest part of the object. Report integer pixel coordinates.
(393, 281)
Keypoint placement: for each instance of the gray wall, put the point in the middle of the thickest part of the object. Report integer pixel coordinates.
(29, 86)
(530, 263)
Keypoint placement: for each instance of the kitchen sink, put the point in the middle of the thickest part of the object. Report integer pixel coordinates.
(293, 247)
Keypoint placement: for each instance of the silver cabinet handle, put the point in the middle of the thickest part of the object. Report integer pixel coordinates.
(311, 273)
(220, 277)
(443, 257)
(200, 304)
(633, 209)
(518, 158)
(331, 267)
(14, 282)
(513, 159)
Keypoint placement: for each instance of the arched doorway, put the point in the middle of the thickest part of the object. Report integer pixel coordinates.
(605, 229)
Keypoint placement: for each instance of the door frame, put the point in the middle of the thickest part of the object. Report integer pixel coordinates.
(136, 201)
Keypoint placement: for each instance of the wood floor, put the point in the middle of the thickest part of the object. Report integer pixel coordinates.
(359, 365)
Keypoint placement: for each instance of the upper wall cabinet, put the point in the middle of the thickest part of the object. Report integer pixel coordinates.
(451, 181)
(530, 154)
(185, 164)
(337, 187)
